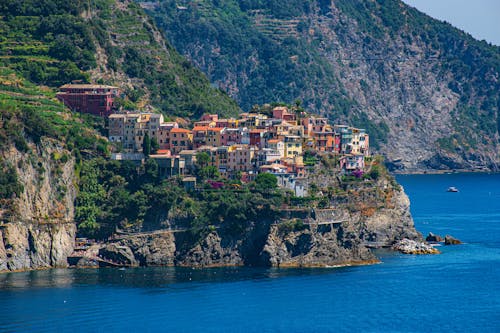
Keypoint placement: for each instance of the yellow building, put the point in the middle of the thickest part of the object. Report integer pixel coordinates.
(293, 146)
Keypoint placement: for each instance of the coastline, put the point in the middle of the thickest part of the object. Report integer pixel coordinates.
(442, 172)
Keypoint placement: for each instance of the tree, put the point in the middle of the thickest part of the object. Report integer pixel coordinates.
(154, 145)
(374, 172)
(202, 159)
(151, 171)
(266, 182)
(146, 145)
(208, 172)
(88, 204)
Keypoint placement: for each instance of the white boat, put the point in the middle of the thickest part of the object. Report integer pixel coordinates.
(452, 189)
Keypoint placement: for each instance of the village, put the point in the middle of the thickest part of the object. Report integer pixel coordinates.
(236, 148)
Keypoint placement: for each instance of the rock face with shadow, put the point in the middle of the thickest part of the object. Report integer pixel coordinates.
(38, 231)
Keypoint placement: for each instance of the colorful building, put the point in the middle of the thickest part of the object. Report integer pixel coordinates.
(180, 139)
(257, 137)
(241, 158)
(350, 162)
(95, 99)
(293, 146)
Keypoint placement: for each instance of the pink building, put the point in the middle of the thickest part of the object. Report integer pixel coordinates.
(209, 117)
(350, 163)
(281, 112)
(230, 136)
(200, 136)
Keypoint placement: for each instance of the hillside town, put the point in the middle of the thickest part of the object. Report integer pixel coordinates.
(237, 148)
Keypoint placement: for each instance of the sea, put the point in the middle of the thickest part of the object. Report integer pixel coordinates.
(456, 291)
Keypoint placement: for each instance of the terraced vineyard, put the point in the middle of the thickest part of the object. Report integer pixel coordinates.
(54, 42)
(275, 28)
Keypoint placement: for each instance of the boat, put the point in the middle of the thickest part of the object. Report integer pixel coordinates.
(452, 189)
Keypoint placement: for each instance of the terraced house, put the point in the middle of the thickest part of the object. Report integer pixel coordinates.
(251, 144)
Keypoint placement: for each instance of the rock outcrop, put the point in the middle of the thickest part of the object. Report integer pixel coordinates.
(449, 240)
(153, 249)
(433, 238)
(33, 246)
(213, 251)
(359, 215)
(408, 246)
(316, 246)
(390, 223)
(301, 238)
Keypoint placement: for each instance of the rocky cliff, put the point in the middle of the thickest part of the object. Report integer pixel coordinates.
(346, 217)
(378, 216)
(38, 230)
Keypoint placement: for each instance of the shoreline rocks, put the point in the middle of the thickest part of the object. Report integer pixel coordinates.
(450, 240)
(408, 246)
(433, 238)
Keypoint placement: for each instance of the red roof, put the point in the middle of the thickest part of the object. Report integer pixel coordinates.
(215, 129)
(200, 128)
(179, 130)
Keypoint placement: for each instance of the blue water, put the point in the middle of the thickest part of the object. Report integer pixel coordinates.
(456, 291)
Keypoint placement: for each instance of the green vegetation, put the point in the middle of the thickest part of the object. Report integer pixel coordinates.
(378, 131)
(28, 114)
(262, 51)
(47, 43)
(53, 42)
(291, 225)
(9, 184)
(122, 196)
(257, 41)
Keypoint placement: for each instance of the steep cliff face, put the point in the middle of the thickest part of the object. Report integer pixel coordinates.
(341, 236)
(301, 238)
(427, 93)
(316, 246)
(391, 223)
(35, 246)
(39, 231)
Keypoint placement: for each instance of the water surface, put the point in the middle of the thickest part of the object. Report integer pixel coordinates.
(457, 290)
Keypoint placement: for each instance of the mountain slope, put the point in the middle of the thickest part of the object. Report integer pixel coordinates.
(427, 92)
(52, 42)
(45, 149)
